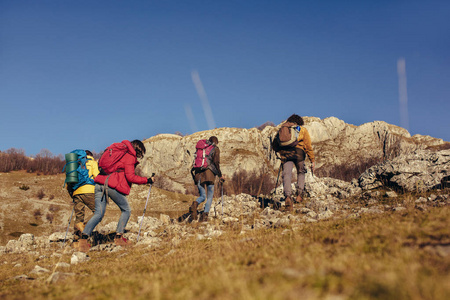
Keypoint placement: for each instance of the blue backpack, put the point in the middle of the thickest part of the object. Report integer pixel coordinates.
(82, 171)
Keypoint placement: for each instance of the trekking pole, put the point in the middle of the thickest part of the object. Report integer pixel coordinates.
(145, 208)
(68, 225)
(215, 210)
(276, 185)
(278, 177)
(222, 199)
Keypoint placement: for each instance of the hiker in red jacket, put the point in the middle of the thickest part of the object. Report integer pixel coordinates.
(118, 187)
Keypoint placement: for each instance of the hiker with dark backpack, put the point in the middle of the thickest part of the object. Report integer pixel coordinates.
(205, 168)
(82, 191)
(293, 143)
(117, 174)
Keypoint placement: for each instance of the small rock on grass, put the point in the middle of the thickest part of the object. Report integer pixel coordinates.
(58, 276)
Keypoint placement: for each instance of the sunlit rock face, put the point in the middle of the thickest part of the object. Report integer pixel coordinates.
(334, 141)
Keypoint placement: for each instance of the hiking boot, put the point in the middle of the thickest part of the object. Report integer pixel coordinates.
(79, 226)
(299, 199)
(193, 210)
(121, 241)
(75, 245)
(288, 205)
(83, 245)
(204, 217)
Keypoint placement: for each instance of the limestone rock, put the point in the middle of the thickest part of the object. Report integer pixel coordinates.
(22, 277)
(39, 270)
(325, 215)
(25, 243)
(59, 276)
(391, 194)
(149, 241)
(79, 257)
(419, 171)
(62, 265)
(149, 223)
(399, 208)
(59, 236)
(165, 219)
(26, 239)
(334, 143)
(421, 200)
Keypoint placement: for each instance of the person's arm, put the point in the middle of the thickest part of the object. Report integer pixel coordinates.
(309, 150)
(131, 176)
(216, 161)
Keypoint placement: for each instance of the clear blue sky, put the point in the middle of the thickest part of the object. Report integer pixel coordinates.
(85, 74)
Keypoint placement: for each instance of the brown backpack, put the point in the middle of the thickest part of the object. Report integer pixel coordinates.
(285, 142)
(287, 136)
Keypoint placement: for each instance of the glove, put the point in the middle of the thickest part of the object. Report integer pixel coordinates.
(150, 180)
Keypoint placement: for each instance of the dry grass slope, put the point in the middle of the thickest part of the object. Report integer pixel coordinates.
(388, 256)
(23, 210)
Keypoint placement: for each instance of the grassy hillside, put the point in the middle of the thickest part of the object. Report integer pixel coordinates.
(39, 204)
(397, 255)
(391, 255)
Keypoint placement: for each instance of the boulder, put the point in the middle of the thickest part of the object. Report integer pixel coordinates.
(418, 171)
(59, 276)
(39, 270)
(79, 257)
(25, 243)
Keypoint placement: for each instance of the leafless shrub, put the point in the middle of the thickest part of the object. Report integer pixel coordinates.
(54, 208)
(37, 213)
(51, 197)
(393, 150)
(96, 155)
(40, 194)
(252, 183)
(46, 163)
(49, 217)
(24, 187)
(192, 190)
(163, 183)
(13, 159)
(347, 172)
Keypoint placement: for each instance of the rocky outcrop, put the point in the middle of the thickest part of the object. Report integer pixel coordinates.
(334, 141)
(419, 171)
(172, 155)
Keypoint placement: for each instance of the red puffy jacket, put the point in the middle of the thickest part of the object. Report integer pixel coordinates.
(122, 180)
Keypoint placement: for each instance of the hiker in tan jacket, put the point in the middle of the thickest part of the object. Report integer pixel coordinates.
(296, 157)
